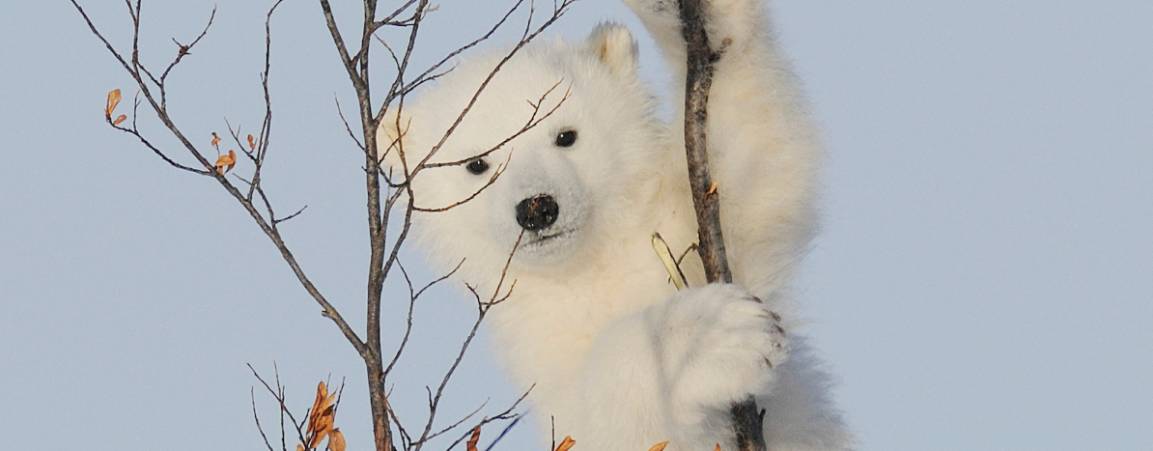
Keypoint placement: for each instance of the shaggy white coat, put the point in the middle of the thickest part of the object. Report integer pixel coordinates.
(619, 358)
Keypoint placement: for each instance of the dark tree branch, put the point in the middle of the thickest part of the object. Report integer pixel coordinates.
(698, 81)
(748, 419)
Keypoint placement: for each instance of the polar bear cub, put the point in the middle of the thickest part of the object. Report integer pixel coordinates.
(619, 359)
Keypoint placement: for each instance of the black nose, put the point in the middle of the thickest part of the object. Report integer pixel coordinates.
(537, 212)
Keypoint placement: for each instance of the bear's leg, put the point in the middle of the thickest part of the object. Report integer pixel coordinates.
(762, 150)
(732, 24)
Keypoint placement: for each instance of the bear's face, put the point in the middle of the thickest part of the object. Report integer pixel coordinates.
(571, 183)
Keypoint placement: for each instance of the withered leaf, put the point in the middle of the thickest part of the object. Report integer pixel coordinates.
(473, 439)
(120, 119)
(323, 412)
(566, 444)
(251, 142)
(322, 430)
(113, 101)
(660, 446)
(336, 441)
(226, 162)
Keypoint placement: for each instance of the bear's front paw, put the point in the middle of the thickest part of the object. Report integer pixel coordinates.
(726, 19)
(720, 345)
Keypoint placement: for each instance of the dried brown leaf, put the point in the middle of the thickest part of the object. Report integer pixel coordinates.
(323, 412)
(473, 439)
(718, 448)
(660, 446)
(251, 142)
(323, 428)
(226, 162)
(566, 444)
(215, 140)
(120, 119)
(113, 101)
(336, 441)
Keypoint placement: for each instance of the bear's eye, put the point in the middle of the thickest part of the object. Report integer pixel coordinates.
(477, 166)
(566, 138)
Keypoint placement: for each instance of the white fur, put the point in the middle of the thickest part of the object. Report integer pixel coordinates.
(619, 359)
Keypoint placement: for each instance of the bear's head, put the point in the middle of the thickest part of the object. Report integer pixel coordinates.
(561, 145)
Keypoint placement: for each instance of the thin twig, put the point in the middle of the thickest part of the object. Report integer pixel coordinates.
(278, 395)
(482, 311)
(526, 38)
(256, 416)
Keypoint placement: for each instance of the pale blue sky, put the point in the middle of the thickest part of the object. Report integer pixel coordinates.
(984, 279)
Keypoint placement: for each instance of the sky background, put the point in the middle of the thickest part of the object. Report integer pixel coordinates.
(984, 279)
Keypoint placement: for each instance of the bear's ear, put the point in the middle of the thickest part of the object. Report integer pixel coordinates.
(614, 46)
(390, 135)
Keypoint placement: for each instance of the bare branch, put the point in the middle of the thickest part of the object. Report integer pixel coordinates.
(531, 123)
(266, 126)
(183, 50)
(428, 74)
(491, 180)
(338, 40)
(289, 217)
(347, 127)
(528, 37)
(136, 132)
(482, 311)
(256, 416)
(402, 65)
(278, 395)
(748, 419)
(389, 19)
(413, 296)
(507, 414)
